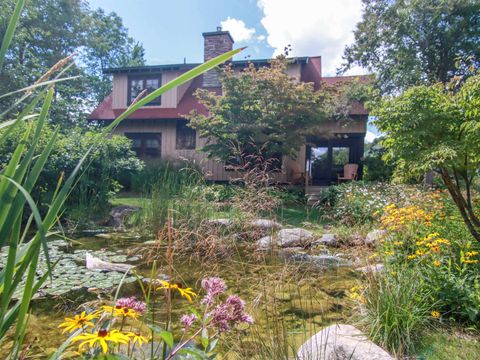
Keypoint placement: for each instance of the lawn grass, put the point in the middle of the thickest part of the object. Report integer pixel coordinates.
(441, 345)
(297, 215)
(128, 199)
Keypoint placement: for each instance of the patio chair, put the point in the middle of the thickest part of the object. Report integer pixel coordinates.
(350, 173)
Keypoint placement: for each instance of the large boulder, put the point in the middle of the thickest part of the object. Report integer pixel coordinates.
(294, 237)
(374, 236)
(341, 342)
(326, 240)
(265, 224)
(370, 269)
(118, 215)
(220, 222)
(265, 243)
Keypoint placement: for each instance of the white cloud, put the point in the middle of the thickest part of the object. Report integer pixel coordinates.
(370, 136)
(238, 29)
(312, 27)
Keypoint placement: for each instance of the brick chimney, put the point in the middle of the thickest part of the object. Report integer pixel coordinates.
(215, 44)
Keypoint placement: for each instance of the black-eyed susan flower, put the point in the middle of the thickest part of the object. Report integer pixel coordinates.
(187, 293)
(435, 314)
(81, 321)
(101, 338)
(137, 338)
(121, 311)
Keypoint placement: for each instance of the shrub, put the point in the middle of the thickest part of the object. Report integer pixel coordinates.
(443, 253)
(111, 159)
(356, 202)
(397, 309)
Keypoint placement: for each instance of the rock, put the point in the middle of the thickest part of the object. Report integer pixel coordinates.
(341, 342)
(374, 236)
(294, 237)
(118, 215)
(265, 243)
(320, 261)
(374, 268)
(93, 263)
(327, 240)
(221, 222)
(266, 224)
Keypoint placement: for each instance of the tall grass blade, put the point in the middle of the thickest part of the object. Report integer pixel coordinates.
(7, 38)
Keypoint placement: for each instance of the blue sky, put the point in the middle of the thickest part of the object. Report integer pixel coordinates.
(171, 30)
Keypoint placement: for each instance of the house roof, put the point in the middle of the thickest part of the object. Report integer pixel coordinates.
(188, 66)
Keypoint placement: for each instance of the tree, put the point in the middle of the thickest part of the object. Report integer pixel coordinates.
(262, 112)
(437, 128)
(414, 42)
(50, 30)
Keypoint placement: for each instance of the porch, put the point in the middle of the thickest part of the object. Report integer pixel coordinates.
(325, 158)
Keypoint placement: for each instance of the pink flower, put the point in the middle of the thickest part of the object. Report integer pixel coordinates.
(187, 321)
(230, 313)
(214, 286)
(131, 303)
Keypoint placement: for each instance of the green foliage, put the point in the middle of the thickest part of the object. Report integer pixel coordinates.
(111, 160)
(437, 128)
(396, 310)
(167, 176)
(412, 42)
(50, 30)
(374, 166)
(261, 112)
(359, 202)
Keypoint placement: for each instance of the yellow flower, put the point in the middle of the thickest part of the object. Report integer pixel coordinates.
(468, 261)
(102, 337)
(435, 314)
(398, 243)
(411, 257)
(437, 263)
(81, 321)
(185, 292)
(120, 311)
(471, 253)
(389, 253)
(137, 338)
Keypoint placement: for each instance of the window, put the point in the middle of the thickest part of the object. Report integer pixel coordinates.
(340, 156)
(146, 145)
(186, 136)
(136, 84)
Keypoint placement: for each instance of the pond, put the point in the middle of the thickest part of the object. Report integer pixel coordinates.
(288, 302)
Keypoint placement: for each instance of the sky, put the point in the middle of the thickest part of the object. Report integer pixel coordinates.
(171, 30)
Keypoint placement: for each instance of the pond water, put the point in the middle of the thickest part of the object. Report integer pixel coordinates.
(288, 302)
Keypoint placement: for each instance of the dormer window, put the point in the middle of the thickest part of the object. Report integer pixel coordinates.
(137, 83)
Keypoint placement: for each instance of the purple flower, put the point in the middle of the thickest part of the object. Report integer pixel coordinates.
(131, 303)
(187, 321)
(229, 313)
(214, 286)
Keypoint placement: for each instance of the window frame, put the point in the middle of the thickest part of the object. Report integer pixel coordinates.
(143, 151)
(182, 124)
(144, 78)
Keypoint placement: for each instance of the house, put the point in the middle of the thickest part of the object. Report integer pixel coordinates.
(158, 130)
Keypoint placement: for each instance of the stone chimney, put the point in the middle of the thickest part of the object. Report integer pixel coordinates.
(215, 43)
